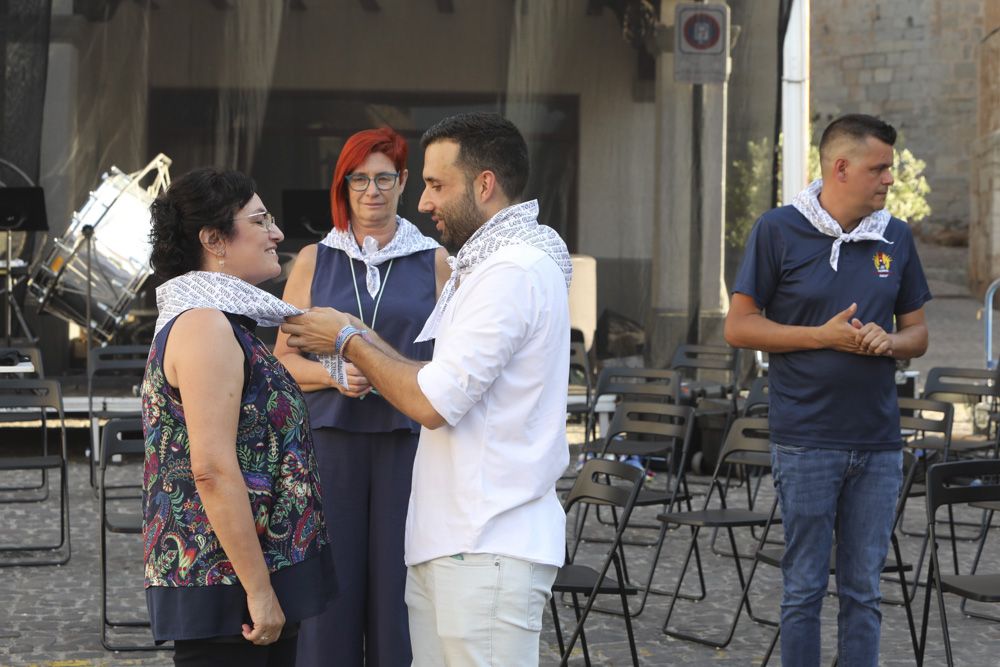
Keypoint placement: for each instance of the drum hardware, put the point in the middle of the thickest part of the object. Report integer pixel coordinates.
(91, 275)
(21, 210)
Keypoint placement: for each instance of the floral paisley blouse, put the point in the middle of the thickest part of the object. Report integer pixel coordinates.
(191, 588)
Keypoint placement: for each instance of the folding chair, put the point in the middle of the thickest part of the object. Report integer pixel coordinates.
(747, 436)
(29, 396)
(649, 430)
(579, 370)
(720, 360)
(595, 485)
(961, 385)
(757, 404)
(990, 508)
(948, 484)
(120, 438)
(107, 369)
(915, 416)
(35, 356)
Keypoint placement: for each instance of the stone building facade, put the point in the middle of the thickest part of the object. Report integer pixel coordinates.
(984, 232)
(914, 63)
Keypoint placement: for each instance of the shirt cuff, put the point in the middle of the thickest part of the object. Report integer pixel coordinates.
(443, 392)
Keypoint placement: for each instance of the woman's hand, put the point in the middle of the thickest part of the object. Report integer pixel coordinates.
(358, 384)
(266, 618)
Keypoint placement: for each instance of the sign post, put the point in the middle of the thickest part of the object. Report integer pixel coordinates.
(701, 43)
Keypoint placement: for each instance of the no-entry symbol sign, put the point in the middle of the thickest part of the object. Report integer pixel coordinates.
(701, 49)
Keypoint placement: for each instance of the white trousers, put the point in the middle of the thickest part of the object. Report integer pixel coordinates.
(477, 610)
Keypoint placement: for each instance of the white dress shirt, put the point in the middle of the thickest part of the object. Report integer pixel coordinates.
(485, 481)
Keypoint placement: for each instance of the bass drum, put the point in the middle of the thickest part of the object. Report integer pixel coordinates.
(117, 218)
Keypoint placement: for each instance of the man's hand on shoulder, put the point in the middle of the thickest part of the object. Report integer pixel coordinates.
(316, 330)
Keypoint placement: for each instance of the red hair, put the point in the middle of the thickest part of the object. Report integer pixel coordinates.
(356, 150)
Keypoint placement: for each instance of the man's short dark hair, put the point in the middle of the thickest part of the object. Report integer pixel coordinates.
(487, 142)
(857, 126)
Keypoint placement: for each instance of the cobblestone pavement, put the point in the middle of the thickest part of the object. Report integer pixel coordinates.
(49, 616)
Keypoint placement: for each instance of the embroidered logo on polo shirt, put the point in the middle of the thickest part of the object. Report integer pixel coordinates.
(882, 263)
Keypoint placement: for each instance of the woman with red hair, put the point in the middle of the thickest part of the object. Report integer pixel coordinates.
(378, 266)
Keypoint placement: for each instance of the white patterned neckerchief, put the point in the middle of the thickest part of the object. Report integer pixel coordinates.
(517, 224)
(870, 228)
(210, 289)
(406, 241)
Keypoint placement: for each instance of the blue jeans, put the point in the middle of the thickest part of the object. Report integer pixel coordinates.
(854, 492)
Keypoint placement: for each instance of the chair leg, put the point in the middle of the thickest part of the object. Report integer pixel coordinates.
(744, 599)
(556, 624)
(770, 647)
(628, 619)
(987, 520)
(906, 597)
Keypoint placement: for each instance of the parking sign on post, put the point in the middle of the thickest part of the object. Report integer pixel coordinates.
(701, 47)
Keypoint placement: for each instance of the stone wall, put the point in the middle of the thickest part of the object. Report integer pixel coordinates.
(912, 62)
(984, 231)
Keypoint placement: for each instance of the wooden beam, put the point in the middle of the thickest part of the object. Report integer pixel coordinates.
(370, 5)
(446, 6)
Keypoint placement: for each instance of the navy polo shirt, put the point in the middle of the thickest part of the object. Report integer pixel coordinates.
(826, 398)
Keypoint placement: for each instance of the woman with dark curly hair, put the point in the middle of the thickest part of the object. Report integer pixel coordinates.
(236, 547)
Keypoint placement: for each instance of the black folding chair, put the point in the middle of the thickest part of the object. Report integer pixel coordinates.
(114, 371)
(650, 430)
(31, 396)
(609, 484)
(121, 443)
(952, 483)
(747, 436)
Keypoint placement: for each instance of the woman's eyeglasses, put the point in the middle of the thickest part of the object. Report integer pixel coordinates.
(263, 219)
(384, 181)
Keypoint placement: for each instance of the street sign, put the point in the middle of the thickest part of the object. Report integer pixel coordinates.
(701, 43)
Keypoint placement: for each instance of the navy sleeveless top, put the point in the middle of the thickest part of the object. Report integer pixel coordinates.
(408, 295)
(192, 591)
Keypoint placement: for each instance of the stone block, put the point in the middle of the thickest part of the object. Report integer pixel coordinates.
(852, 62)
(875, 60)
(877, 93)
(883, 75)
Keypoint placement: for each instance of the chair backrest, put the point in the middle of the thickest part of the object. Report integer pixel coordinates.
(121, 437)
(949, 383)
(654, 384)
(578, 361)
(746, 435)
(31, 393)
(914, 415)
(958, 482)
(118, 360)
(697, 357)
(660, 420)
(595, 484)
(758, 401)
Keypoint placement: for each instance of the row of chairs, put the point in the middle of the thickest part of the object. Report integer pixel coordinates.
(28, 472)
(747, 447)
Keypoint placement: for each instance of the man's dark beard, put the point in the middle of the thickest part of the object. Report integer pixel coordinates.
(461, 222)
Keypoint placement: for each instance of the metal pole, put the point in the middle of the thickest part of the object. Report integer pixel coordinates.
(10, 290)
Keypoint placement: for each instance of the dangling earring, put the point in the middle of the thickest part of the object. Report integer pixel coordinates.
(222, 262)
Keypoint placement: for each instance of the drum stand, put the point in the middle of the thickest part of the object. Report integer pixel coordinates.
(10, 303)
(22, 210)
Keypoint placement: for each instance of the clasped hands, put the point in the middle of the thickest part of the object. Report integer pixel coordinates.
(315, 331)
(846, 333)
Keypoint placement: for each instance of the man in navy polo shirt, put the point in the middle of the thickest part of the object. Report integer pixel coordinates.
(831, 286)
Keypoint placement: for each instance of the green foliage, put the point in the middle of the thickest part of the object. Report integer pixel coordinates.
(907, 196)
(748, 193)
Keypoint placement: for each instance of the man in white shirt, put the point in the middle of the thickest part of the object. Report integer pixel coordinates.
(485, 532)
